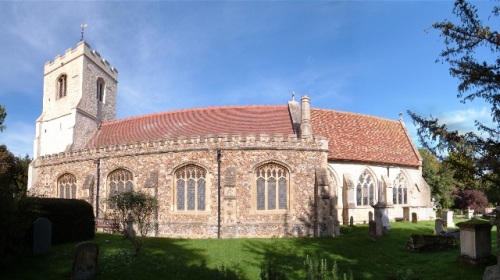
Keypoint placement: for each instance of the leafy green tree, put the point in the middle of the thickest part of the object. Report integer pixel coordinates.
(15, 211)
(479, 79)
(439, 176)
(3, 115)
(134, 210)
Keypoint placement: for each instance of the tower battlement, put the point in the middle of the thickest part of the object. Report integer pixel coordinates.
(82, 48)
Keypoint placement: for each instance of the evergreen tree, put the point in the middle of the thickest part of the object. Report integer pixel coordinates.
(479, 79)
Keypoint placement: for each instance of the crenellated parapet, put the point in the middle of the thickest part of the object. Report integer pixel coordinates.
(187, 144)
(82, 48)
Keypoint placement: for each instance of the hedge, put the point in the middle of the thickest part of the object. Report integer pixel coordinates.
(72, 219)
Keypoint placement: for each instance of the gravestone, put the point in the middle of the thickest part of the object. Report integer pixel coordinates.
(475, 242)
(351, 221)
(414, 218)
(42, 236)
(372, 230)
(85, 261)
(469, 213)
(438, 226)
(493, 272)
(448, 218)
(370, 216)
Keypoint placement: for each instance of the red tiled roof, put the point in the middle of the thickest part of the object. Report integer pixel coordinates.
(363, 138)
(352, 137)
(195, 122)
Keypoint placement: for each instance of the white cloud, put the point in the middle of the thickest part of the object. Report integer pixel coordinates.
(18, 137)
(463, 120)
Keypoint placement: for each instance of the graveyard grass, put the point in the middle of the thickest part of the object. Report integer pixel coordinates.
(167, 258)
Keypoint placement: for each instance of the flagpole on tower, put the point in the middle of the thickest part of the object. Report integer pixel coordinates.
(83, 26)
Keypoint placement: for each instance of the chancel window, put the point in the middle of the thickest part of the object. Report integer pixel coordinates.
(365, 189)
(190, 181)
(400, 190)
(62, 86)
(272, 187)
(67, 186)
(120, 181)
(100, 89)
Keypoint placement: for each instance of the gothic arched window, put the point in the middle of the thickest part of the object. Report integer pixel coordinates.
(101, 86)
(272, 187)
(67, 186)
(120, 181)
(190, 188)
(62, 86)
(400, 190)
(365, 189)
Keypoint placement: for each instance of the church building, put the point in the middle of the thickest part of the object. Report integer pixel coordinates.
(232, 171)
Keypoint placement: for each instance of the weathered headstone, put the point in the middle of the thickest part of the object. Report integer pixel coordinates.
(351, 221)
(438, 226)
(85, 261)
(493, 272)
(372, 230)
(448, 218)
(414, 218)
(42, 236)
(475, 242)
(469, 213)
(370, 216)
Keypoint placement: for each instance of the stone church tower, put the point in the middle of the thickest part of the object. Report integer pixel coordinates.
(79, 92)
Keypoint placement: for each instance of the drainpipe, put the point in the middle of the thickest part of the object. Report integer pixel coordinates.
(218, 192)
(98, 170)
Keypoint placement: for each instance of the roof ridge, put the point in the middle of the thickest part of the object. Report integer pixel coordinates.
(354, 113)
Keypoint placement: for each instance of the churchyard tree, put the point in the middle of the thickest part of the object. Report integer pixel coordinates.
(133, 211)
(439, 176)
(3, 115)
(471, 50)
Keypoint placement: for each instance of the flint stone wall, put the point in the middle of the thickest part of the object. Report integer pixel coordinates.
(240, 154)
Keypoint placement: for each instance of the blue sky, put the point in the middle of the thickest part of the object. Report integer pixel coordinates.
(368, 57)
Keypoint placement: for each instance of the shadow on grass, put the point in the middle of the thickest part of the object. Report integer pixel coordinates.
(385, 258)
(161, 258)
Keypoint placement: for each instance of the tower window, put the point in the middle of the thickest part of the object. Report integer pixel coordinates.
(62, 86)
(100, 89)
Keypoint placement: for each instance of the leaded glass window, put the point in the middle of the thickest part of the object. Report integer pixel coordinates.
(62, 86)
(365, 189)
(190, 183)
(120, 180)
(399, 191)
(67, 186)
(272, 187)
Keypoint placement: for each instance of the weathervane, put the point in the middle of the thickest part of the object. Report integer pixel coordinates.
(83, 26)
(293, 95)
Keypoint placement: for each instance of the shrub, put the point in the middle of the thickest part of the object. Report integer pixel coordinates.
(472, 199)
(134, 208)
(72, 219)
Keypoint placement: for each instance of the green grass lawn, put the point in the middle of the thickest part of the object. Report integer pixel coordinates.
(165, 258)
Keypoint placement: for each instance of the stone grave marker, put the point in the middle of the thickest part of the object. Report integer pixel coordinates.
(370, 216)
(414, 218)
(448, 218)
(85, 261)
(42, 236)
(351, 221)
(475, 242)
(438, 226)
(372, 230)
(469, 213)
